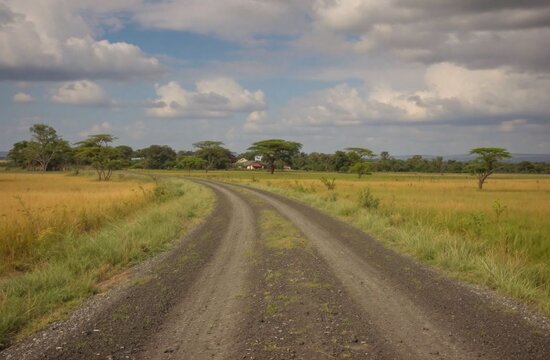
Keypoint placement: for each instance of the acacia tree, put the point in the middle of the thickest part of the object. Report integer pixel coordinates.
(100, 154)
(44, 146)
(486, 162)
(275, 149)
(213, 153)
(359, 157)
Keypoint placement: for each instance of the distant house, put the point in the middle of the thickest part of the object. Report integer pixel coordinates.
(254, 166)
(242, 161)
(287, 168)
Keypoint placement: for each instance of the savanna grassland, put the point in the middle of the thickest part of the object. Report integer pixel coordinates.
(62, 237)
(498, 237)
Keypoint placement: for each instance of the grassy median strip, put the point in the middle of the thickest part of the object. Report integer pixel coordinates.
(78, 262)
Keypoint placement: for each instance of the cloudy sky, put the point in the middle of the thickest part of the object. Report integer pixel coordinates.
(405, 76)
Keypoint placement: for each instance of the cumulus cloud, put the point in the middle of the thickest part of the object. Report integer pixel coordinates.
(52, 40)
(213, 98)
(255, 121)
(22, 97)
(83, 92)
(477, 34)
(450, 93)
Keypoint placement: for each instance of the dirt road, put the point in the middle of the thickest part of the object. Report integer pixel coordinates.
(269, 278)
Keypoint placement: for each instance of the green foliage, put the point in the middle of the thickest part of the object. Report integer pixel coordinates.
(486, 162)
(275, 149)
(96, 150)
(46, 150)
(499, 209)
(367, 200)
(215, 155)
(158, 157)
(330, 184)
(361, 168)
(190, 163)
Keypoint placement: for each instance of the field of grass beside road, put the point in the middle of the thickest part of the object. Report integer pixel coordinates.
(78, 233)
(498, 237)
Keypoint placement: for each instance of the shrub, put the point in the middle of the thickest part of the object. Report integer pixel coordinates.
(330, 184)
(367, 200)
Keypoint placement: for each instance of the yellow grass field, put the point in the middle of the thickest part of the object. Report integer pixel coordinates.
(35, 208)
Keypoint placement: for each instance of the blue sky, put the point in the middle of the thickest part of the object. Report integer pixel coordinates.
(391, 75)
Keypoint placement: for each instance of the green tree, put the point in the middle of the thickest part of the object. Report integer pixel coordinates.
(45, 144)
(361, 168)
(20, 155)
(97, 151)
(486, 162)
(158, 156)
(360, 160)
(190, 163)
(275, 149)
(357, 153)
(215, 155)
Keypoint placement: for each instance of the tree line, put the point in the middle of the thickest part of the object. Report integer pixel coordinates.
(46, 150)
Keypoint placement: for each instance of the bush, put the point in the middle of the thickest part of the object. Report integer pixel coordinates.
(367, 200)
(330, 184)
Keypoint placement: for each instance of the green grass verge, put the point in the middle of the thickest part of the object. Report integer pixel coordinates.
(80, 263)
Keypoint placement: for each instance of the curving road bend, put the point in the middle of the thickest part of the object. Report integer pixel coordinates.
(221, 293)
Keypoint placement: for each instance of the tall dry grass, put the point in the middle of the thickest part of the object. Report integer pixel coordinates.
(37, 209)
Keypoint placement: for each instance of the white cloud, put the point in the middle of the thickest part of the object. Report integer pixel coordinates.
(101, 128)
(83, 92)
(214, 98)
(475, 34)
(240, 20)
(254, 121)
(22, 97)
(52, 40)
(450, 93)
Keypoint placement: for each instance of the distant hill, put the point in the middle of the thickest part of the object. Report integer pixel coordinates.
(467, 157)
(3, 154)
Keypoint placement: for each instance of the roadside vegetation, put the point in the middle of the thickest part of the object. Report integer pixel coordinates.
(499, 238)
(63, 237)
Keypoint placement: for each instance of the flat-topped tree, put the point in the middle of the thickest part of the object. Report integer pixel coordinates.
(97, 150)
(486, 162)
(358, 153)
(359, 157)
(275, 149)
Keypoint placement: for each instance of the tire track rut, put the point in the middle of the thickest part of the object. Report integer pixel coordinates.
(203, 325)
